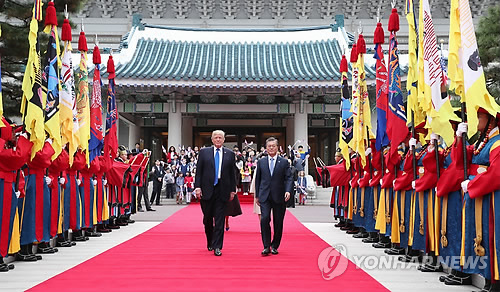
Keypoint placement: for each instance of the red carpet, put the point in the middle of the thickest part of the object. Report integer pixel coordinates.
(172, 257)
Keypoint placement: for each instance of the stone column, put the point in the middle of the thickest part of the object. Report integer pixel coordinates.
(301, 126)
(174, 125)
(187, 131)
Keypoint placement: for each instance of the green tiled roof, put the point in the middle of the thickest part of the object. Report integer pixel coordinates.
(187, 60)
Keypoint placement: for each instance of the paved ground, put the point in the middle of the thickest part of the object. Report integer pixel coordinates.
(317, 218)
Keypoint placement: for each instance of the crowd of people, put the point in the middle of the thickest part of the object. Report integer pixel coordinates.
(173, 175)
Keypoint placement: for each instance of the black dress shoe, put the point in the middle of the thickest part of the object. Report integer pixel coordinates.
(103, 230)
(158, 204)
(395, 251)
(45, 250)
(152, 210)
(352, 231)
(93, 234)
(341, 224)
(130, 221)
(112, 226)
(217, 252)
(274, 250)
(210, 248)
(382, 245)
(25, 257)
(140, 210)
(80, 238)
(360, 235)
(11, 266)
(458, 281)
(444, 277)
(266, 251)
(370, 240)
(4, 268)
(430, 268)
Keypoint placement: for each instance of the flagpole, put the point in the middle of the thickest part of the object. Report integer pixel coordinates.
(414, 158)
(369, 155)
(464, 146)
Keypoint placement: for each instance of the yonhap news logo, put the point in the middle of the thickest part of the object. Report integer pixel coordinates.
(332, 261)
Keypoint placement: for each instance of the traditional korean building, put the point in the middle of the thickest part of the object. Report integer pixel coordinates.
(252, 68)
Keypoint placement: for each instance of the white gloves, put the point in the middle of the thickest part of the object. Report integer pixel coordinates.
(18, 194)
(94, 181)
(48, 180)
(464, 184)
(394, 183)
(105, 182)
(368, 151)
(23, 134)
(62, 180)
(370, 181)
(461, 129)
(145, 151)
(381, 180)
(359, 180)
(412, 142)
(78, 181)
(413, 184)
(49, 140)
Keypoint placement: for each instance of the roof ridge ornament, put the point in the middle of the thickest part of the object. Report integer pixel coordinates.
(137, 21)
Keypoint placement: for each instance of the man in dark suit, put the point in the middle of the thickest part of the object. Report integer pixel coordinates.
(158, 174)
(273, 186)
(215, 184)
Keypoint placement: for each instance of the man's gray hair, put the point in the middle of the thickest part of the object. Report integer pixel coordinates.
(218, 132)
(271, 139)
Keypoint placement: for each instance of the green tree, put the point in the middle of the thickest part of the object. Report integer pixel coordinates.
(15, 17)
(488, 36)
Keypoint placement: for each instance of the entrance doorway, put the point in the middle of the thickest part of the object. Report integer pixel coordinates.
(254, 138)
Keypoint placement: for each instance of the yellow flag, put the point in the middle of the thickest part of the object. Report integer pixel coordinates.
(362, 114)
(33, 103)
(411, 81)
(83, 106)
(345, 133)
(432, 79)
(464, 66)
(51, 85)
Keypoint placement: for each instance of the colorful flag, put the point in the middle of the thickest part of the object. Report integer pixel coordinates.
(51, 87)
(413, 107)
(82, 101)
(96, 129)
(346, 115)
(396, 116)
(33, 103)
(431, 82)
(381, 76)
(68, 112)
(362, 111)
(464, 66)
(110, 139)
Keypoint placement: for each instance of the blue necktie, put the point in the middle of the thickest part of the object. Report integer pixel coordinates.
(271, 168)
(216, 161)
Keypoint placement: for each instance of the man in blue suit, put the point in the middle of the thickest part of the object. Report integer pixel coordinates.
(215, 184)
(273, 186)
